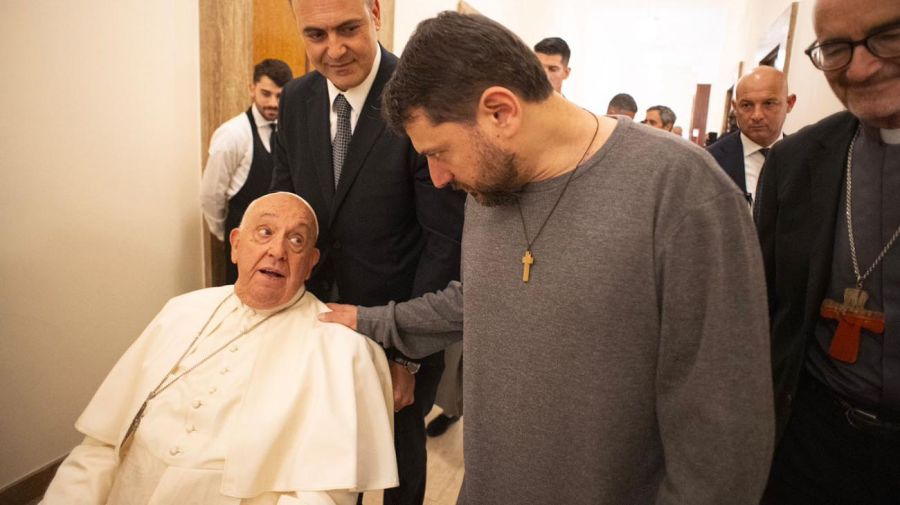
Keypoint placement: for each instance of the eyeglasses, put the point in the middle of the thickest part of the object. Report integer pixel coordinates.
(837, 55)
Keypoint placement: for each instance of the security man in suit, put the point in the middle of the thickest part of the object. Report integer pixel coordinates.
(828, 217)
(386, 233)
(761, 104)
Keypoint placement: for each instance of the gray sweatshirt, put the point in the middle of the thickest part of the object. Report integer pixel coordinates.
(633, 367)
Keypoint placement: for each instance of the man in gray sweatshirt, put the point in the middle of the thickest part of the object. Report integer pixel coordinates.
(614, 310)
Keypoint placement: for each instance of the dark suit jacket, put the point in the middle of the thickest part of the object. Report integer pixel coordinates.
(386, 233)
(729, 153)
(796, 212)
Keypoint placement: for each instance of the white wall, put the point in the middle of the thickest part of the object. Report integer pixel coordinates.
(655, 50)
(99, 157)
(815, 99)
(650, 49)
(408, 13)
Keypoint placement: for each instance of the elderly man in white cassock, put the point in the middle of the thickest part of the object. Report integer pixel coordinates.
(239, 395)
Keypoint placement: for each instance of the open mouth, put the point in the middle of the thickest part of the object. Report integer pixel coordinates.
(270, 273)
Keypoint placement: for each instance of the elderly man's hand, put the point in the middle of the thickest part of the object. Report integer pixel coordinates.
(404, 386)
(340, 313)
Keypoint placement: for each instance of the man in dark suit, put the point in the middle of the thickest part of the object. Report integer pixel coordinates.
(828, 218)
(761, 104)
(386, 233)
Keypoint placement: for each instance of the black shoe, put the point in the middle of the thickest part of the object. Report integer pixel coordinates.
(439, 425)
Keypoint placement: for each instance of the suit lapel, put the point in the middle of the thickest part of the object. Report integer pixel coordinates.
(318, 113)
(368, 128)
(735, 163)
(826, 172)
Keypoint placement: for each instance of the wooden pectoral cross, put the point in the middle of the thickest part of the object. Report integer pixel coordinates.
(527, 261)
(852, 317)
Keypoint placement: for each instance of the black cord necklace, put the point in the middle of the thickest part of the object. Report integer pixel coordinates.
(528, 258)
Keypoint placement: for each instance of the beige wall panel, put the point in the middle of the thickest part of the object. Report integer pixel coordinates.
(99, 158)
(386, 35)
(226, 67)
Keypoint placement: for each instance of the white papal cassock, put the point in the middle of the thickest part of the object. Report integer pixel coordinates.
(295, 411)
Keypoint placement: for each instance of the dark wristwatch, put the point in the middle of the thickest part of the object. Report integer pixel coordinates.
(411, 366)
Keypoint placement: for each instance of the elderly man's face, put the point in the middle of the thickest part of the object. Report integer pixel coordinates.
(870, 86)
(340, 36)
(274, 249)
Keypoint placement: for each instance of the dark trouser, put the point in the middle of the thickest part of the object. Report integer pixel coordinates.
(825, 458)
(409, 437)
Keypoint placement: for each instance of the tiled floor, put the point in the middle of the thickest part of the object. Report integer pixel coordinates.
(445, 466)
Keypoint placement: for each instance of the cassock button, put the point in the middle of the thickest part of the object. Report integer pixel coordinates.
(212, 390)
(190, 428)
(197, 404)
(224, 371)
(233, 348)
(175, 451)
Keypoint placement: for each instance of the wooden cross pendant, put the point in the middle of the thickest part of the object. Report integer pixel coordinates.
(527, 261)
(852, 317)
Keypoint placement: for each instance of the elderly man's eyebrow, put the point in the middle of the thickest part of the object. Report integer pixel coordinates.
(887, 25)
(894, 23)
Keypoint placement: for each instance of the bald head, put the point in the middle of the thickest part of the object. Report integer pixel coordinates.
(274, 249)
(766, 77)
(761, 104)
(283, 196)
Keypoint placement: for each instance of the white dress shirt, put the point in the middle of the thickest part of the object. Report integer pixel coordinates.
(230, 157)
(356, 97)
(753, 162)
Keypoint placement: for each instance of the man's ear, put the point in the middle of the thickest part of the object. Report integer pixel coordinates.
(235, 239)
(791, 100)
(499, 109)
(376, 14)
(314, 260)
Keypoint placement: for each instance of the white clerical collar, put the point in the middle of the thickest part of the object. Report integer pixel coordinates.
(265, 312)
(751, 147)
(258, 118)
(890, 136)
(356, 97)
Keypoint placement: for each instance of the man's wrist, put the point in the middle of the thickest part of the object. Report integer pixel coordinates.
(411, 366)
